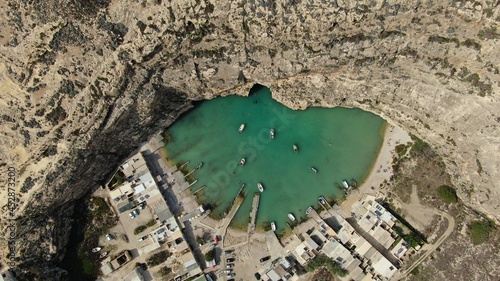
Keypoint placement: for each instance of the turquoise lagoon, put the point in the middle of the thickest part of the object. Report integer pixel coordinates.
(340, 143)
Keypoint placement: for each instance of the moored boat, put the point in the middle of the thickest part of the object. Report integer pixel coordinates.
(242, 161)
(199, 165)
(273, 226)
(309, 210)
(314, 169)
(295, 148)
(346, 185)
(354, 183)
(260, 187)
(242, 127)
(271, 133)
(96, 249)
(291, 217)
(322, 200)
(103, 255)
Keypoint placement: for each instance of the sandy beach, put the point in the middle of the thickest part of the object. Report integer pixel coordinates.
(382, 168)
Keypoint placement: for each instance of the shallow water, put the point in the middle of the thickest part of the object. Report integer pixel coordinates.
(340, 143)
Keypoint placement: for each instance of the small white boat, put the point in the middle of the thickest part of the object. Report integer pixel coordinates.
(242, 127)
(291, 217)
(295, 148)
(260, 187)
(314, 169)
(271, 133)
(273, 226)
(103, 255)
(308, 211)
(242, 161)
(199, 165)
(96, 249)
(322, 200)
(346, 185)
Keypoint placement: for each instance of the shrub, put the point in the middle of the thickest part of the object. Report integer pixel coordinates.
(480, 231)
(447, 194)
(151, 223)
(164, 271)
(140, 229)
(158, 258)
(210, 255)
(322, 260)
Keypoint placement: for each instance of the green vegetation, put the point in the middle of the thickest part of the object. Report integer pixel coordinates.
(140, 229)
(117, 180)
(418, 145)
(158, 258)
(199, 240)
(151, 223)
(480, 231)
(322, 260)
(447, 194)
(164, 271)
(210, 255)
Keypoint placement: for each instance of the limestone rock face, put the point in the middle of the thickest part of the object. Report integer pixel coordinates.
(83, 83)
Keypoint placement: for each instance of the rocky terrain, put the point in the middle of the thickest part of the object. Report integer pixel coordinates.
(83, 83)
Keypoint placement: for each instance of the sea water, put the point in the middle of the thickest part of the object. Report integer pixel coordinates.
(339, 143)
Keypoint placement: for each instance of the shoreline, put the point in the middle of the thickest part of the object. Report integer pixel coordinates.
(381, 170)
(373, 184)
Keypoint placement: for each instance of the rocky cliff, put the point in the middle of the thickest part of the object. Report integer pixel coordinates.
(83, 83)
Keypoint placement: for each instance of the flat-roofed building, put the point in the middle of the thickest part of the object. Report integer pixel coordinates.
(400, 249)
(383, 266)
(135, 275)
(337, 252)
(273, 275)
(133, 164)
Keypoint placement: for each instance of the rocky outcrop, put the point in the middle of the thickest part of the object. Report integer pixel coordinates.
(83, 84)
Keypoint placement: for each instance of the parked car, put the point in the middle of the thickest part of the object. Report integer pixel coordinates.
(257, 276)
(228, 270)
(229, 265)
(230, 260)
(142, 238)
(109, 237)
(131, 214)
(135, 212)
(265, 259)
(142, 205)
(227, 252)
(231, 275)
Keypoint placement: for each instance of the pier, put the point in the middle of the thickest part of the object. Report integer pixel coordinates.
(222, 228)
(253, 214)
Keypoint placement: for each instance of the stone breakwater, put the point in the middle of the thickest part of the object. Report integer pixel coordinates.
(85, 83)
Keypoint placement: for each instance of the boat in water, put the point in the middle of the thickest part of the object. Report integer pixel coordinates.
(295, 148)
(322, 200)
(242, 127)
(103, 255)
(354, 183)
(96, 249)
(242, 161)
(291, 217)
(273, 226)
(314, 169)
(271, 133)
(346, 185)
(309, 210)
(260, 187)
(199, 165)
